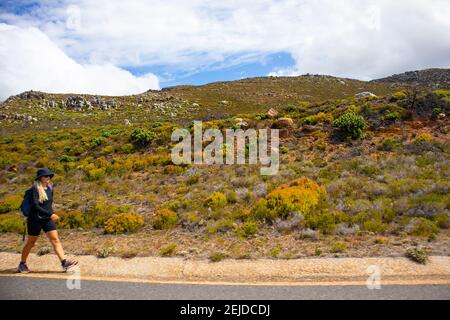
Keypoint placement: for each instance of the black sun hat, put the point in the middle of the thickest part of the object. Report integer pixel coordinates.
(44, 172)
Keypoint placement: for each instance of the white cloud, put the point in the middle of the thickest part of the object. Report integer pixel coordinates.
(348, 38)
(29, 60)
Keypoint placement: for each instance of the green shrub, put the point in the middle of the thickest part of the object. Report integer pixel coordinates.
(392, 116)
(10, 203)
(323, 221)
(216, 200)
(375, 226)
(104, 252)
(417, 255)
(192, 179)
(389, 144)
(262, 116)
(11, 223)
(96, 141)
(73, 220)
(173, 169)
(168, 250)
(231, 197)
(8, 140)
(441, 220)
(142, 137)
(274, 252)
(217, 256)
(165, 219)
(222, 225)
(177, 204)
(124, 222)
(338, 247)
(108, 133)
(127, 148)
(443, 93)
(248, 229)
(425, 228)
(319, 118)
(64, 159)
(351, 125)
(261, 211)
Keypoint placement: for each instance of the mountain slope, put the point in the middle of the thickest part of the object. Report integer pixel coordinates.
(37, 110)
(433, 78)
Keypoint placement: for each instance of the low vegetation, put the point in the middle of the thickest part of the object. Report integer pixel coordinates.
(350, 168)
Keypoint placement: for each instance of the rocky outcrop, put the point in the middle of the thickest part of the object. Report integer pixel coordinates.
(364, 94)
(309, 128)
(272, 113)
(80, 103)
(285, 126)
(18, 116)
(285, 123)
(434, 78)
(29, 95)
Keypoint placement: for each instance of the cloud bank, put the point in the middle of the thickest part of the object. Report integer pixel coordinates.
(29, 60)
(348, 38)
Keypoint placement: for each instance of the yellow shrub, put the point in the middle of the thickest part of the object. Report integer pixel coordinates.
(11, 223)
(301, 195)
(319, 118)
(217, 200)
(399, 95)
(10, 203)
(165, 219)
(73, 220)
(124, 222)
(172, 169)
(424, 137)
(96, 174)
(163, 159)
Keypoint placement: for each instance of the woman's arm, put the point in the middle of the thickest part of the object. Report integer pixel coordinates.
(36, 205)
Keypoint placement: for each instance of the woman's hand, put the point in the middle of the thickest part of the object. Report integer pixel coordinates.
(54, 217)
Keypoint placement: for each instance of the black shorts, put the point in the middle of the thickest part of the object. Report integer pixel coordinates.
(35, 226)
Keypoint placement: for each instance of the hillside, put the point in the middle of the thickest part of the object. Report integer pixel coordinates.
(358, 176)
(178, 104)
(432, 78)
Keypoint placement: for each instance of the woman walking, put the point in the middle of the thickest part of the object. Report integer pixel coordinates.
(42, 217)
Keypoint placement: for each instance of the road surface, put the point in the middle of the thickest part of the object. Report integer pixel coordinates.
(29, 287)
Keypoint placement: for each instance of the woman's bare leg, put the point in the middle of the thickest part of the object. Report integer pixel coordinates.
(28, 246)
(56, 243)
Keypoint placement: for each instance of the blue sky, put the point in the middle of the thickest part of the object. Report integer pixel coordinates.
(115, 47)
(170, 76)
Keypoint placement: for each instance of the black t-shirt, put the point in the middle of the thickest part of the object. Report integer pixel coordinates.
(42, 211)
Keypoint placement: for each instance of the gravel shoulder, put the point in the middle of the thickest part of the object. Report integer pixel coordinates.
(315, 271)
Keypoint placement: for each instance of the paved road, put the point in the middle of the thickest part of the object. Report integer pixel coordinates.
(39, 288)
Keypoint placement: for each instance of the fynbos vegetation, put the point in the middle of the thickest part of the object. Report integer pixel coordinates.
(352, 170)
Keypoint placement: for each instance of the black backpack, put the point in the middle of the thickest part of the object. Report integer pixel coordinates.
(25, 207)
